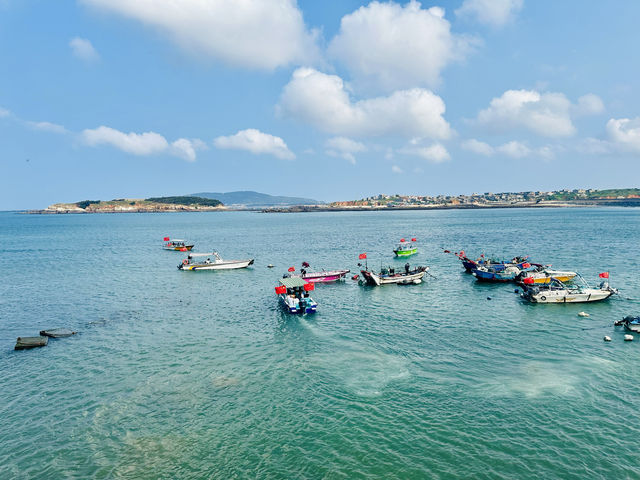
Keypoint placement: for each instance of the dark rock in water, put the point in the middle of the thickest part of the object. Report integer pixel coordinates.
(31, 342)
(57, 333)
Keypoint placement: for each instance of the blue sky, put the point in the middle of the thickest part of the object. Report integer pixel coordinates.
(331, 100)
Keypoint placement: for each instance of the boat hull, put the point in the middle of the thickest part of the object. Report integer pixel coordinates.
(483, 276)
(406, 253)
(399, 278)
(225, 265)
(179, 249)
(297, 307)
(323, 277)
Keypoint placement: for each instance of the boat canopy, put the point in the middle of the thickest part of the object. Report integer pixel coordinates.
(293, 282)
(177, 240)
(202, 254)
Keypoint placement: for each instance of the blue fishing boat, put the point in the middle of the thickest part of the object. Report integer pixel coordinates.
(501, 273)
(294, 295)
(498, 265)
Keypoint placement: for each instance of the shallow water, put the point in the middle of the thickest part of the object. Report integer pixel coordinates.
(201, 375)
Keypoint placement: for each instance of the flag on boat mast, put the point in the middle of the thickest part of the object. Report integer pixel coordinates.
(604, 275)
(362, 256)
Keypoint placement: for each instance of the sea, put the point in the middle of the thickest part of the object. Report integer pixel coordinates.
(202, 375)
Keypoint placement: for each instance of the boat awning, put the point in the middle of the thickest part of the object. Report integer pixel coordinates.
(202, 254)
(293, 282)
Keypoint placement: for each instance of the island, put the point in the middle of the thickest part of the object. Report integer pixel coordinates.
(136, 205)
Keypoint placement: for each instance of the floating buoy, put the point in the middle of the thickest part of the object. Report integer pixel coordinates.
(583, 314)
(516, 291)
(628, 338)
(269, 266)
(488, 298)
(355, 277)
(607, 338)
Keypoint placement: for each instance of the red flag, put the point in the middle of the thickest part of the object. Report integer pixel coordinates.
(402, 240)
(528, 281)
(414, 239)
(362, 256)
(166, 239)
(292, 269)
(604, 275)
(482, 255)
(281, 289)
(308, 287)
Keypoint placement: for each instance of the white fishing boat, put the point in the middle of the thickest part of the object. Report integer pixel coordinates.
(211, 261)
(389, 275)
(557, 292)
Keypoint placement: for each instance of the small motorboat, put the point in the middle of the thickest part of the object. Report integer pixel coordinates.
(557, 292)
(322, 276)
(469, 264)
(406, 249)
(294, 295)
(177, 245)
(389, 275)
(543, 274)
(191, 264)
(630, 323)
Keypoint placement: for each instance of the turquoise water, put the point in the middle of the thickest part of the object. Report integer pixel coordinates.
(201, 375)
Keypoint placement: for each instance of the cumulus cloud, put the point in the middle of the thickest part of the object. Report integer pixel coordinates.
(256, 142)
(148, 143)
(83, 49)
(260, 34)
(514, 149)
(495, 13)
(547, 114)
(47, 127)
(435, 153)
(624, 134)
(322, 101)
(476, 146)
(392, 46)
(344, 148)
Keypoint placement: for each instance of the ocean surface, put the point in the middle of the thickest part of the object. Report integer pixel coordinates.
(189, 375)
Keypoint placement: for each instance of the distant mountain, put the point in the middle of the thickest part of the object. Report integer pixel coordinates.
(255, 199)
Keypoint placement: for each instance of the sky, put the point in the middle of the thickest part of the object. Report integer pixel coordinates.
(332, 100)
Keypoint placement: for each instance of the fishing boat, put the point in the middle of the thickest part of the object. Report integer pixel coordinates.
(543, 274)
(389, 275)
(322, 276)
(205, 262)
(557, 292)
(502, 273)
(498, 265)
(406, 249)
(177, 245)
(294, 295)
(630, 323)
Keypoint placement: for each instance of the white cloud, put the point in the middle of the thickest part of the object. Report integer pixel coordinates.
(624, 134)
(514, 149)
(396, 169)
(257, 143)
(47, 127)
(147, 143)
(261, 34)
(435, 153)
(546, 114)
(594, 146)
(476, 146)
(495, 13)
(322, 100)
(83, 49)
(4, 112)
(393, 46)
(344, 148)
(589, 104)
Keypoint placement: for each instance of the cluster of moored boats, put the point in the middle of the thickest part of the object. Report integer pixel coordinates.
(540, 283)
